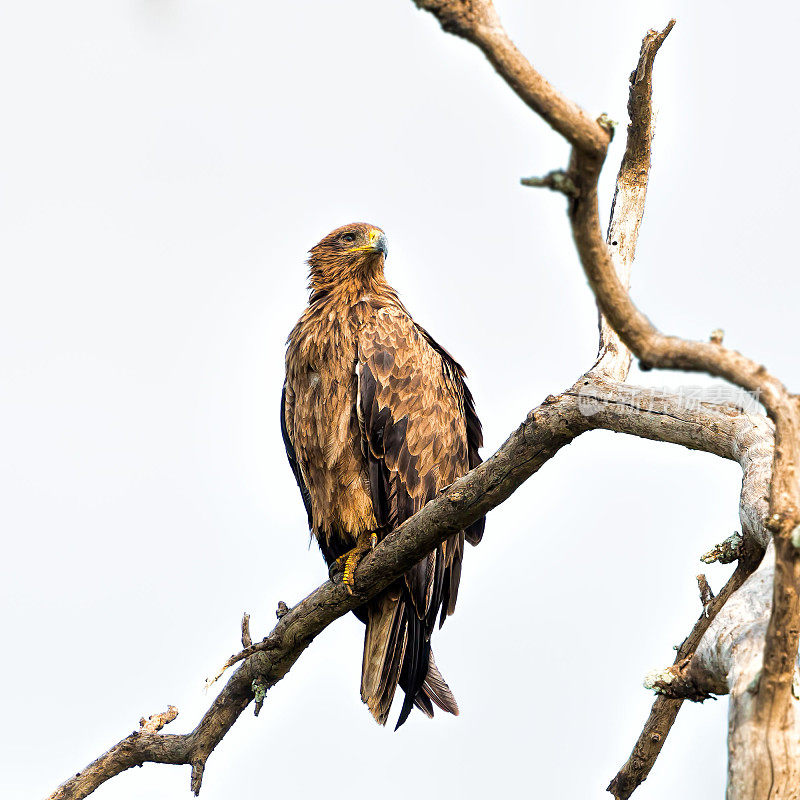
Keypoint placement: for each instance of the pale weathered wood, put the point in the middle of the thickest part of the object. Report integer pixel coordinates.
(630, 193)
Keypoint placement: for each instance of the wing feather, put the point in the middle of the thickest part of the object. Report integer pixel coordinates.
(287, 402)
(420, 433)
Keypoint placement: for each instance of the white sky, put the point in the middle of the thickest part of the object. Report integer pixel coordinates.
(165, 166)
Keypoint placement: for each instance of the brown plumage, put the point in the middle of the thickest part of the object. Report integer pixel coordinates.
(377, 420)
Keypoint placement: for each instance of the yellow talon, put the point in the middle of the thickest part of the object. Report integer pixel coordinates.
(349, 572)
(349, 561)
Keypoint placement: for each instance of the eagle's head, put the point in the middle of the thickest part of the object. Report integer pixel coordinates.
(354, 252)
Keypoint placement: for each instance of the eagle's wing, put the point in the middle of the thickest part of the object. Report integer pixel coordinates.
(474, 533)
(287, 413)
(419, 433)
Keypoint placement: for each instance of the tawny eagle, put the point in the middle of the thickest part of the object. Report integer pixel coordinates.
(377, 420)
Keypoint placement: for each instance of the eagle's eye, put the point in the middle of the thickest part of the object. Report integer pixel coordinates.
(348, 237)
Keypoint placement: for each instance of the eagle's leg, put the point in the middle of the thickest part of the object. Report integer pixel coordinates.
(347, 562)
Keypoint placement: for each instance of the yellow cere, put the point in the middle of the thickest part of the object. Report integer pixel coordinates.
(374, 235)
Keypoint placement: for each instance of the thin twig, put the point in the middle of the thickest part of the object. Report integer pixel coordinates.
(630, 194)
(155, 722)
(706, 595)
(246, 638)
(725, 552)
(263, 646)
(557, 181)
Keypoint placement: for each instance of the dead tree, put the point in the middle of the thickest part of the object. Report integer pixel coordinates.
(745, 642)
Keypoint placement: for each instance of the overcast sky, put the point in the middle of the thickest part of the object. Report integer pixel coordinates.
(164, 167)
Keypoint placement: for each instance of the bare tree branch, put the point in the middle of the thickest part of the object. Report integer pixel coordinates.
(246, 639)
(630, 192)
(155, 722)
(478, 22)
(557, 181)
(724, 552)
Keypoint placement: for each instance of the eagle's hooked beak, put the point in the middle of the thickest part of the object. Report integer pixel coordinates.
(377, 244)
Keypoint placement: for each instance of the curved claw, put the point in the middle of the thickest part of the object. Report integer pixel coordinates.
(348, 562)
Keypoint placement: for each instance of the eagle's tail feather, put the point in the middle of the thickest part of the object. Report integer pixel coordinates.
(436, 689)
(384, 643)
(397, 650)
